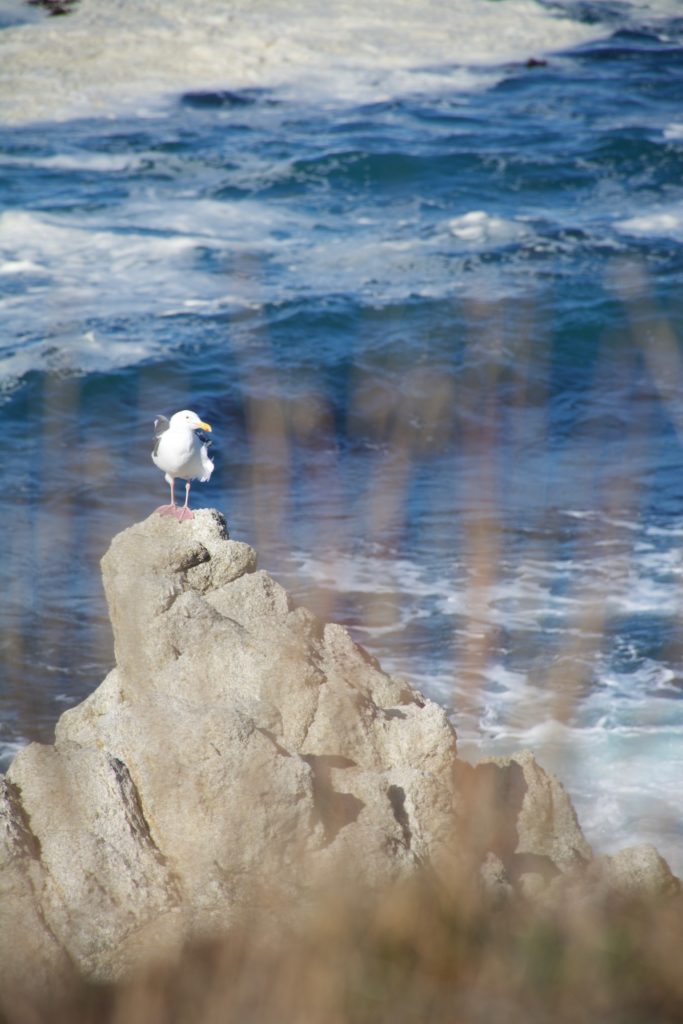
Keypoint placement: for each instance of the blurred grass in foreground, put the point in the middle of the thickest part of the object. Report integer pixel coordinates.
(410, 954)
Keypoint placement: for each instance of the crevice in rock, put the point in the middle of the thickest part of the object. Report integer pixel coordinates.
(270, 736)
(309, 725)
(397, 799)
(138, 824)
(135, 816)
(334, 810)
(325, 762)
(18, 824)
(192, 558)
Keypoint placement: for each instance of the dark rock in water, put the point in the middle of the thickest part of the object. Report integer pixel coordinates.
(54, 7)
(240, 753)
(211, 99)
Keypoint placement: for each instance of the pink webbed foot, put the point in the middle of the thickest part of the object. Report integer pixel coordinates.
(184, 513)
(167, 510)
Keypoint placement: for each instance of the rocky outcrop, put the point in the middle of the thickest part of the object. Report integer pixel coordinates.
(522, 825)
(240, 753)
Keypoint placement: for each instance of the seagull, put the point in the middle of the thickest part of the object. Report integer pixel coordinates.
(179, 452)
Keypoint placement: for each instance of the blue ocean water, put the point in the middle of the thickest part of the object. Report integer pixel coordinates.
(420, 267)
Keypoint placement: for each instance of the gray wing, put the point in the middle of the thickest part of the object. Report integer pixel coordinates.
(161, 425)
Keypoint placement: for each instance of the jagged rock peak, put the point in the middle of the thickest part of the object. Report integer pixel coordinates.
(239, 746)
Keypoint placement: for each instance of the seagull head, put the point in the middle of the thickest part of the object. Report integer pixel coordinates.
(187, 418)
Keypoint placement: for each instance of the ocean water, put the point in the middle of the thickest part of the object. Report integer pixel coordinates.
(420, 264)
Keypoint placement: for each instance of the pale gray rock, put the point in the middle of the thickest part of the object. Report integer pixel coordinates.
(547, 825)
(239, 749)
(29, 950)
(522, 814)
(102, 872)
(638, 871)
(241, 752)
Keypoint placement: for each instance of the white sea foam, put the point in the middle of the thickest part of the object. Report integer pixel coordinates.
(90, 263)
(385, 262)
(10, 266)
(82, 271)
(79, 160)
(666, 222)
(373, 573)
(671, 530)
(104, 58)
(147, 256)
(479, 228)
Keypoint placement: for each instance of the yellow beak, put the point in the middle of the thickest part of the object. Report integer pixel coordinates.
(205, 426)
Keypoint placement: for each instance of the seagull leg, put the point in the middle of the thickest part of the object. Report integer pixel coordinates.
(185, 512)
(169, 510)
